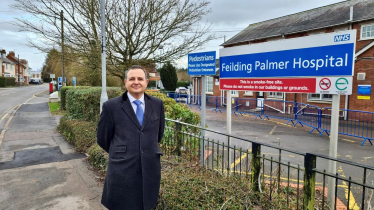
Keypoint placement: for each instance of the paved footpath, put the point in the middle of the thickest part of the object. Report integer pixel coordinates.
(38, 168)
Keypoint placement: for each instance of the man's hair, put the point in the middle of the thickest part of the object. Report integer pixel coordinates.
(136, 67)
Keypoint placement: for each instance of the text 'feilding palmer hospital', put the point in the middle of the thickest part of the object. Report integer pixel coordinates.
(296, 63)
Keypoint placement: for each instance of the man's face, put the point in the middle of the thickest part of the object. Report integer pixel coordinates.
(136, 82)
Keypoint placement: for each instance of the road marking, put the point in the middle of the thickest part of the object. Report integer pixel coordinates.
(348, 140)
(352, 202)
(5, 94)
(237, 161)
(271, 132)
(3, 117)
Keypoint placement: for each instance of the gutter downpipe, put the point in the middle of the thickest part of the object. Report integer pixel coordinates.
(347, 96)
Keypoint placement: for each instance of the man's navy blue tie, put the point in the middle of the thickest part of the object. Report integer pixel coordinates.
(139, 112)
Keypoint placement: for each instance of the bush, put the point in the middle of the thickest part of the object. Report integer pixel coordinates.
(2, 82)
(98, 157)
(82, 134)
(183, 84)
(7, 81)
(169, 76)
(85, 103)
(63, 93)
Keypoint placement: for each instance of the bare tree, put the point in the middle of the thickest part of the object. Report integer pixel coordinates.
(138, 31)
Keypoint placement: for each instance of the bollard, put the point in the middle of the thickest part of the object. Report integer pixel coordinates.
(256, 166)
(310, 163)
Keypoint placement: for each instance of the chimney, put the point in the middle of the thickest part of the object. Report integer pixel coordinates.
(3, 53)
(11, 53)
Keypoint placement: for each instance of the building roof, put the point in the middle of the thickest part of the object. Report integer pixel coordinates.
(317, 18)
(6, 60)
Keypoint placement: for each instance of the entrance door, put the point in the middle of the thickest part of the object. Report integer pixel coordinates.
(260, 99)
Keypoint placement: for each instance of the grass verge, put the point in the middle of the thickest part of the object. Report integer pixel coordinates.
(55, 108)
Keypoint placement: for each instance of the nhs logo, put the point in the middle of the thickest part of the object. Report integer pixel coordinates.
(340, 38)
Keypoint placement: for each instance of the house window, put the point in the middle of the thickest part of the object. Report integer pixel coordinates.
(234, 93)
(7, 66)
(320, 97)
(209, 84)
(367, 32)
(274, 95)
(248, 93)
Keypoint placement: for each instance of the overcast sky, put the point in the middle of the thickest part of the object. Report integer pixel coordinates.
(228, 18)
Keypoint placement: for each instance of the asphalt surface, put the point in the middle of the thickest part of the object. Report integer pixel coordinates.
(38, 168)
(276, 132)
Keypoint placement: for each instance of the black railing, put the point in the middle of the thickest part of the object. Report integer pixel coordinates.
(271, 169)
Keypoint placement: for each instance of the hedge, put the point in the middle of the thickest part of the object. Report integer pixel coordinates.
(183, 84)
(63, 94)
(7, 81)
(85, 103)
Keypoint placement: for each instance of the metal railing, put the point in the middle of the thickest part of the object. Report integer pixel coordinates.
(352, 122)
(300, 181)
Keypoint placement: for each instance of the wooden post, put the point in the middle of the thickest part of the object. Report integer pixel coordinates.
(256, 166)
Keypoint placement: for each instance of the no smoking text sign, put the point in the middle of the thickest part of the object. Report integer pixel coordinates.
(334, 85)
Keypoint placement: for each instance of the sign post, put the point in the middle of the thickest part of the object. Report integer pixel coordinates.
(321, 64)
(59, 83)
(74, 82)
(203, 63)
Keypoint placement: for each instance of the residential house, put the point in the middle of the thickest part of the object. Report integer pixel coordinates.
(8, 67)
(328, 19)
(19, 67)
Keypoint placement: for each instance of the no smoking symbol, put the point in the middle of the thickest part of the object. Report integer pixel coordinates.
(325, 84)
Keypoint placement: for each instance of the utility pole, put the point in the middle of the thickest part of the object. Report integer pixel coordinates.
(62, 46)
(19, 74)
(104, 95)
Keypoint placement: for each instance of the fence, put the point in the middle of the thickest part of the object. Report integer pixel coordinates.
(300, 182)
(351, 122)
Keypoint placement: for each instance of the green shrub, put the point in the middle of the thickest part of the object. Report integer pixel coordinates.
(183, 84)
(63, 93)
(82, 134)
(85, 103)
(7, 81)
(2, 82)
(10, 81)
(98, 157)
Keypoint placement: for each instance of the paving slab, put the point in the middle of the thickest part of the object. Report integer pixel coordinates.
(47, 186)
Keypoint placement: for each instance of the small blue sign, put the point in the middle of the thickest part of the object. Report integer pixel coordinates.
(65, 79)
(364, 89)
(203, 63)
(59, 85)
(59, 79)
(74, 79)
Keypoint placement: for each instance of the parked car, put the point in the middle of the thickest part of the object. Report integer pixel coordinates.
(182, 90)
(35, 81)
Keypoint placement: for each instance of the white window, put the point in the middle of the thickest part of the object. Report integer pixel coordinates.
(209, 84)
(248, 93)
(274, 95)
(7, 66)
(367, 32)
(320, 97)
(234, 93)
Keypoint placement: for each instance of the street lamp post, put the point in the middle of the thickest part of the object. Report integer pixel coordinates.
(104, 95)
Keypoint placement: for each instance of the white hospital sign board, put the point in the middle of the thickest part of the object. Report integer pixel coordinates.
(320, 56)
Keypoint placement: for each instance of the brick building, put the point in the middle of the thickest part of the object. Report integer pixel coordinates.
(328, 19)
(19, 67)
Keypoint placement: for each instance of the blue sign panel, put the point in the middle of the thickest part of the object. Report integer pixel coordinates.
(59, 79)
(74, 80)
(364, 89)
(334, 60)
(202, 63)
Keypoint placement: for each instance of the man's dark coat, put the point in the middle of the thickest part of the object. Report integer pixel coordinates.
(133, 176)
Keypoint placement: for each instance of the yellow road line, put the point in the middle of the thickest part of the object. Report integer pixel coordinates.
(3, 117)
(352, 202)
(271, 132)
(237, 161)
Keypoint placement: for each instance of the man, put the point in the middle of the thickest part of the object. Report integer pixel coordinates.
(129, 129)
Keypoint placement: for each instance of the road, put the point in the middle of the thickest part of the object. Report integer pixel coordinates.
(277, 133)
(10, 98)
